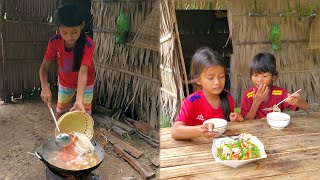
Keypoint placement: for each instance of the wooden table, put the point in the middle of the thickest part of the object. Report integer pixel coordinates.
(293, 153)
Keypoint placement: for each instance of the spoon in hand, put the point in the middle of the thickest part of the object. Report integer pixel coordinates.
(275, 108)
(62, 139)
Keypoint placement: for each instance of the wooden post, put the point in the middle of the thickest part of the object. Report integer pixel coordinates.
(2, 71)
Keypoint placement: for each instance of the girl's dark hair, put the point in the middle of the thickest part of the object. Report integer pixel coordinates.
(204, 58)
(262, 63)
(69, 15)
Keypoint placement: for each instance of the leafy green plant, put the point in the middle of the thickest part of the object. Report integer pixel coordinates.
(288, 11)
(165, 122)
(306, 10)
(256, 8)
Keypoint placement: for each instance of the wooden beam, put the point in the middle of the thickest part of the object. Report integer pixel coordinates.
(130, 73)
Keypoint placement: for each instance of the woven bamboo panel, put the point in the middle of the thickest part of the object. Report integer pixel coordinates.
(148, 35)
(25, 52)
(30, 10)
(28, 32)
(170, 62)
(25, 31)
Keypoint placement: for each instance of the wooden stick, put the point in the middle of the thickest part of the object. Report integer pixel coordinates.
(150, 140)
(146, 174)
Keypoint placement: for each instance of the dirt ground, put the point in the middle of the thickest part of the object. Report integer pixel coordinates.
(26, 125)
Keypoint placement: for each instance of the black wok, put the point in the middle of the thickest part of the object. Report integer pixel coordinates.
(45, 152)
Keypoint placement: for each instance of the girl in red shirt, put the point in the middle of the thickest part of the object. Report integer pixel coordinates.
(264, 94)
(209, 101)
(73, 50)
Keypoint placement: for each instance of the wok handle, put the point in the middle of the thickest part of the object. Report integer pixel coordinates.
(102, 139)
(39, 155)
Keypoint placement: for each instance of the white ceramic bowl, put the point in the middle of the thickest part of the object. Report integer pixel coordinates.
(236, 163)
(278, 120)
(220, 125)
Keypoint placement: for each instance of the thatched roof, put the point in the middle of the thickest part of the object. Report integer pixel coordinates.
(148, 35)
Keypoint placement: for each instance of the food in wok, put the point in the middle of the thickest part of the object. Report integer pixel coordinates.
(78, 155)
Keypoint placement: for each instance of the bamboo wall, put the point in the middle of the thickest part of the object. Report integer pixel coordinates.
(127, 77)
(25, 31)
(297, 64)
(172, 67)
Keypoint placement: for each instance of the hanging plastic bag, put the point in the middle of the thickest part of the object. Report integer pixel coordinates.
(122, 28)
(275, 38)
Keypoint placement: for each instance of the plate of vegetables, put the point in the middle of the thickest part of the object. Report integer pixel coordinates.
(236, 151)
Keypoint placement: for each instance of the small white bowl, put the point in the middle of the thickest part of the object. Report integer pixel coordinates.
(278, 120)
(220, 125)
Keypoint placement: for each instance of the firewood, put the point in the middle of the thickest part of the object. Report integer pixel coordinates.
(146, 173)
(127, 147)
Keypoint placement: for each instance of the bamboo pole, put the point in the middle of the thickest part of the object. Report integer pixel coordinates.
(3, 74)
(184, 72)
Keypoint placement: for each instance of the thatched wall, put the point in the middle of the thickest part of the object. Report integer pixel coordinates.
(298, 65)
(25, 31)
(127, 77)
(173, 73)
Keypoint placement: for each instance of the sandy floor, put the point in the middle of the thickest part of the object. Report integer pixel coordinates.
(25, 125)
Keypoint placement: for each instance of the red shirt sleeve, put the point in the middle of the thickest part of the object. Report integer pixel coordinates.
(51, 52)
(88, 53)
(186, 112)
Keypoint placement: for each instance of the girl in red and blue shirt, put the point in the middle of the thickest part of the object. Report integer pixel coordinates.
(73, 50)
(209, 101)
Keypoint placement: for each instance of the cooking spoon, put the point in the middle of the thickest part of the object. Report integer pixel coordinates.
(62, 139)
(275, 108)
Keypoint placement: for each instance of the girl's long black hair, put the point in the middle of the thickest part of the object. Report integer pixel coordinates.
(202, 59)
(69, 15)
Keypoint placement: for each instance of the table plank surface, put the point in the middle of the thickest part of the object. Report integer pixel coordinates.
(293, 152)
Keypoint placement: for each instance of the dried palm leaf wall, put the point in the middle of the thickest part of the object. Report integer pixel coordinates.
(173, 73)
(315, 33)
(297, 64)
(127, 77)
(25, 30)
